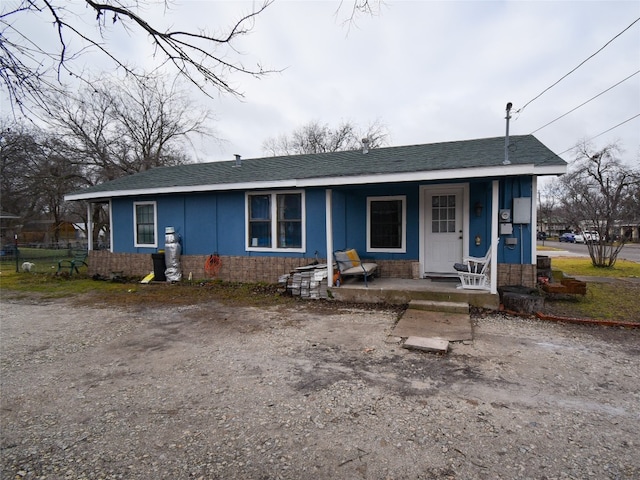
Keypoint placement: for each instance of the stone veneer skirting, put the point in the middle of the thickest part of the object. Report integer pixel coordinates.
(515, 274)
(269, 269)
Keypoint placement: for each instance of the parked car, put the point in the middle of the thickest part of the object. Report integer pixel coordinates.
(578, 238)
(591, 236)
(567, 237)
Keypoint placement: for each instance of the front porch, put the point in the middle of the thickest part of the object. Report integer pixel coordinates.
(402, 290)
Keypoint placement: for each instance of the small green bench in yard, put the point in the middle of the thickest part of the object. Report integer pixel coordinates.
(79, 259)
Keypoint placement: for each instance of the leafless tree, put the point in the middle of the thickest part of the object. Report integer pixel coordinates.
(597, 192)
(547, 205)
(36, 173)
(54, 175)
(18, 146)
(112, 129)
(121, 127)
(315, 137)
(31, 67)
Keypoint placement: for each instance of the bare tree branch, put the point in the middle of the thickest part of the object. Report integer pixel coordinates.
(360, 7)
(26, 66)
(315, 137)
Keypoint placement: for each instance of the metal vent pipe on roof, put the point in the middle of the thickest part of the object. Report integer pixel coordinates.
(238, 160)
(506, 137)
(365, 146)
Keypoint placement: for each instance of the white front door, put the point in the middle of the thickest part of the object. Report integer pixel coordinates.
(443, 228)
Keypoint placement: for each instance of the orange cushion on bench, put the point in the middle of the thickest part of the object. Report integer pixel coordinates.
(354, 257)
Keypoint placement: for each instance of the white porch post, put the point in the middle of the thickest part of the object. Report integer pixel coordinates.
(329, 227)
(89, 228)
(495, 239)
(111, 227)
(534, 220)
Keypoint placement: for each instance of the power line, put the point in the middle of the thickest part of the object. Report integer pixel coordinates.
(584, 103)
(602, 133)
(581, 63)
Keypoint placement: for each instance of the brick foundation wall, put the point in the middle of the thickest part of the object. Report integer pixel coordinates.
(269, 269)
(395, 268)
(234, 268)
(248, 269)
(102, 262)
(514, 274)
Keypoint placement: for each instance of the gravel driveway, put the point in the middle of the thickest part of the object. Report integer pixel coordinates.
(209, 391)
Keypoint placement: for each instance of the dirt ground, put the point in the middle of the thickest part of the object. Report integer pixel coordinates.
(312, 391)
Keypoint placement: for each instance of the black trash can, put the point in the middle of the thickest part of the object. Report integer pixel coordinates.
(158, 267)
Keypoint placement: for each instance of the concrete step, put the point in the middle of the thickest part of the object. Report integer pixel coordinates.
(451, 326)
(437, 345)
(439, 306)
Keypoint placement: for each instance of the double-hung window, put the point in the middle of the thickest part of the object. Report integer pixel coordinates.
(275, 221)
(144, 224)
(387, 224)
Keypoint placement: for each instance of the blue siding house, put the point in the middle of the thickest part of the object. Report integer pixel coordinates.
(414, 210)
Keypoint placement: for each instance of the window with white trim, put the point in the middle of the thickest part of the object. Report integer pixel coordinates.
(275, 221)
(144, 224)
(387, 224)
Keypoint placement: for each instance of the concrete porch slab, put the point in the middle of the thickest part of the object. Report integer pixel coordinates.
(454, 327)
(402, 291)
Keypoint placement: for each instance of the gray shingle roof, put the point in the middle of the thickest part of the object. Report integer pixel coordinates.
(479, 153)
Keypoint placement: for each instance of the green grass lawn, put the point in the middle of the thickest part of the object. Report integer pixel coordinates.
(610, 301)
(107, 294)
(582, 266)
(45, 260)
(613, 300)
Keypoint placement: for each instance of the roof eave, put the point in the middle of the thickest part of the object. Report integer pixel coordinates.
(426, 175)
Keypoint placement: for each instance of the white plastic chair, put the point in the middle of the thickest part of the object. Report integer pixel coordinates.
(474, 272)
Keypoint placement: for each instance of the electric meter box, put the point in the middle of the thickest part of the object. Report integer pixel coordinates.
(504, 215)
(522, 210)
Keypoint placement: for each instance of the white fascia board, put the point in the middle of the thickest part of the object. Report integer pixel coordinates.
(551, 170)
(183, 189)
(428, 175)
(431, 175)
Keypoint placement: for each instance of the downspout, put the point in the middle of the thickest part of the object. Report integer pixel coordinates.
(329, 228)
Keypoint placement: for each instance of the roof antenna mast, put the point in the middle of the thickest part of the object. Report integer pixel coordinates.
(506, 137)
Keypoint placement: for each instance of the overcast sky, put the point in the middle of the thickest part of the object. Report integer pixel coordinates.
(431, 71)
(440, 71)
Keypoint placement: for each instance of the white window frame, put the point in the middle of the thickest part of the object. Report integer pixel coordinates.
(403, 247)
(135, 225)
(274, 222)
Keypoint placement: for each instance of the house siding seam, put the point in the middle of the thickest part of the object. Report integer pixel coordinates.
(234, 268)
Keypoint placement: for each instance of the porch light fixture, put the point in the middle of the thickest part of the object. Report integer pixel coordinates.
(478, 206)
